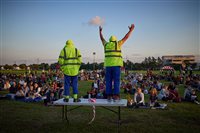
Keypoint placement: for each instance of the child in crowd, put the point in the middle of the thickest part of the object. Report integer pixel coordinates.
(153, 98)
(139, 98)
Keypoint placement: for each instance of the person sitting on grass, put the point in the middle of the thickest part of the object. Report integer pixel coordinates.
(144, 88)
(92, 92)
(164, 93)
(101, 91)
(190, 95)
(130, 102)
(52, 98)
(7, 85)
(20, 95)
(12, 91)
(101, 86)
(43, 91)
(55, 86)
(101, 94)
(61, 90)
(153, 98)
(25, 89)
(51, 94)
(37, 88)
(139, 98)
(95, 85)
(21, 80)
(30, 94)
(173, 93)
(123, 84)
(33, 94)
(187, 93)
(128, 88)
(194, 97)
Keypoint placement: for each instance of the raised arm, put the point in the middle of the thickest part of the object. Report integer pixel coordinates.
(129, 32)
(101, 35)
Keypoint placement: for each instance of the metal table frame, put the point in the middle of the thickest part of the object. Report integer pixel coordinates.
(84, 102)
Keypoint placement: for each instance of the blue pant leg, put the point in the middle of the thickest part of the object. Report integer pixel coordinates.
(75, 84)
(116, 76)
(108, 81)
(67, 85)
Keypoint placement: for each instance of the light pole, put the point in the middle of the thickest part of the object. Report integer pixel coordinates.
(94, 60)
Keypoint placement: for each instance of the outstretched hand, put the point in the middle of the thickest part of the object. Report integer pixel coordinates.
(131, 27)
(100, 28)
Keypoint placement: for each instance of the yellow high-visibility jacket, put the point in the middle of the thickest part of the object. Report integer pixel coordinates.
(70, 60)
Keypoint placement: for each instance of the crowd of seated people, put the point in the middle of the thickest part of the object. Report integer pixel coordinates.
(49, 86)
(32, 87)
(97, 90)
(151, 85)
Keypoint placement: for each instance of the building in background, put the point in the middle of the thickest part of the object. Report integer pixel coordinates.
(178, 59)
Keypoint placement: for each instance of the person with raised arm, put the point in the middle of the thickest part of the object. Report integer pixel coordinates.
(113, 61)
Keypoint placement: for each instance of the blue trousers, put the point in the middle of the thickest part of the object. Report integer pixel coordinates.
(70, 81)
(112, 74)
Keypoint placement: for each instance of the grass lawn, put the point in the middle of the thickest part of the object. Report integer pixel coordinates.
(34, 117)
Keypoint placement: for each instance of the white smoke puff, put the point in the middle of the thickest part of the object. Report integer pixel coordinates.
(97, 21)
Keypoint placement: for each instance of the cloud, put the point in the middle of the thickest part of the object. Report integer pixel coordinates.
(96, 21)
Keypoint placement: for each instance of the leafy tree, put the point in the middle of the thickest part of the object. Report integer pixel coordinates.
(22, 66)
(8, 67)
(14, 65)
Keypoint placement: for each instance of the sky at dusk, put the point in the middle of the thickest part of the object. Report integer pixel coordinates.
(34, 31)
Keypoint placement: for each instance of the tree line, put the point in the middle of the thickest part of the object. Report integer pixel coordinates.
(147, 63)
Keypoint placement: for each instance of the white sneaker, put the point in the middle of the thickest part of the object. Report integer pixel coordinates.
(197, 102)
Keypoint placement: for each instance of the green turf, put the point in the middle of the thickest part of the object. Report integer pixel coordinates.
(35, 117)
